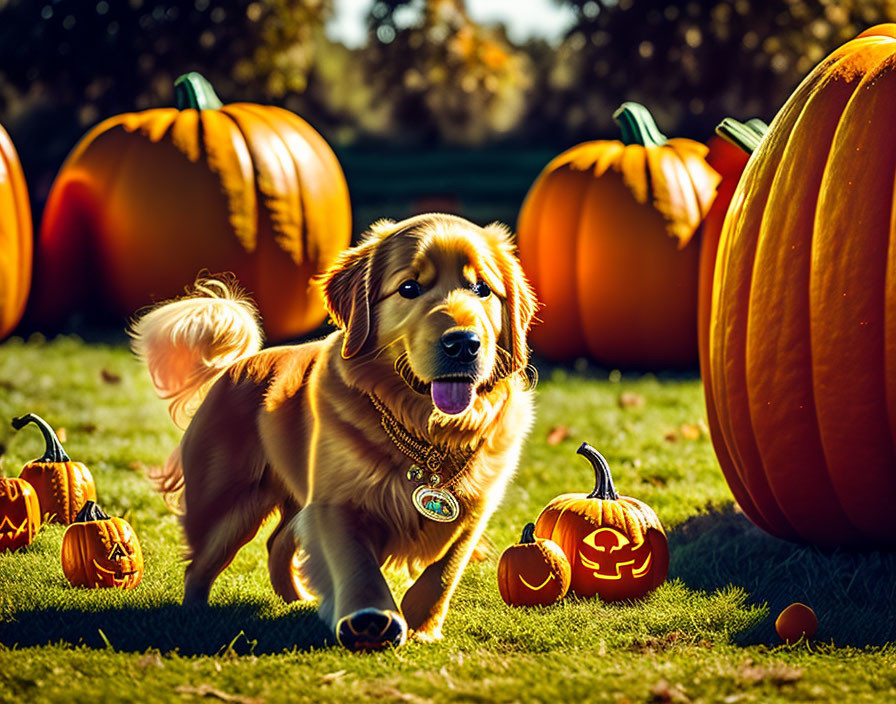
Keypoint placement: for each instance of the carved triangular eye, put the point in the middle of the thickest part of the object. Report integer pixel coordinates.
(118, 552)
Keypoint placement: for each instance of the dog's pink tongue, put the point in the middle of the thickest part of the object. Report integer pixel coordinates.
(452, 397)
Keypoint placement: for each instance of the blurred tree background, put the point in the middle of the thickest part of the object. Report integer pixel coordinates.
(435, 110)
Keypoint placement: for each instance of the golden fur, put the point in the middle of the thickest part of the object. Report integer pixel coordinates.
(292, 428)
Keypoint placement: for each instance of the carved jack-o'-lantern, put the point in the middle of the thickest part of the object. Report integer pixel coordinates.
(62, 486)
(98, 551)
(615, 544)
(533, 572)
(19, 514)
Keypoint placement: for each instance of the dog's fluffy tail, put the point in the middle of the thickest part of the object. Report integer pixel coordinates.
(187, 343)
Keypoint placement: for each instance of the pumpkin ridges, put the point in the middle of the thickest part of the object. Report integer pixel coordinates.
(624, 281)
(703, 179)
(559, 334)
(728, 375)
(675, 200)
(228, 157)
(730, 304)
(299, 248)
(847, 331)
(328, 197)
(16, 230)
(184, 134)
(275, 180)
(780, 283)
(635, 172)
(728, 324)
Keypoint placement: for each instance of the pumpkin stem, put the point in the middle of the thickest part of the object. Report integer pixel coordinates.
(745, 135)
(528, 534)
(90, 512)
(637, 126)
(603, 480)
(54, 452)
(193, 92)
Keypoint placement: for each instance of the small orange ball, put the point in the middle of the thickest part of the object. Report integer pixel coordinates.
(796, 621)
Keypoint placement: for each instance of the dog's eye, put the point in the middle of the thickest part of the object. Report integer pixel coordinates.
(481, 289)
(410, 289)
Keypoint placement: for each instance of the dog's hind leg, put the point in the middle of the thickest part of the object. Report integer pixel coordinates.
(283, 560)
(214, 543)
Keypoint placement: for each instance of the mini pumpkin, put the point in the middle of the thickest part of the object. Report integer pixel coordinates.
(99, 551)
(795, 622)
(19, 514)
(533, 572)
(62, 486)
(616, 545)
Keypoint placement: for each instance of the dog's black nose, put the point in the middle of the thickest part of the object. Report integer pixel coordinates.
(461, 345)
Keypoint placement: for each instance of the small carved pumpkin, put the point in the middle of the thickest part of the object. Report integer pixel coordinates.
(19, 514)
(62, 486)
(616, 545)
(98, 551)
(533, 572)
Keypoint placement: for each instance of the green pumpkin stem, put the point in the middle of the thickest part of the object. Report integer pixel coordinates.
(603, 480)
(90, 512)
(54, 452)
(528, 534)
(745, 135)
(637, 126)
(193, 92)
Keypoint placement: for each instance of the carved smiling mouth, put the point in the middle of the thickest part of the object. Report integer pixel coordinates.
(540, 586)
(118, 577)
(636, 571)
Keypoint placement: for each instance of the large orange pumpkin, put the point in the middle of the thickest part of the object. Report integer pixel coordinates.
(15, 237)
(62, 486)
(152, 198)
(802, 337)
(604, 237)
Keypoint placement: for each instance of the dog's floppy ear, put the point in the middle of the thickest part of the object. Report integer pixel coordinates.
(520, 305)
(346, 286)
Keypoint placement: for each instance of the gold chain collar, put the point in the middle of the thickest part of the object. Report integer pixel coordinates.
(423, 454)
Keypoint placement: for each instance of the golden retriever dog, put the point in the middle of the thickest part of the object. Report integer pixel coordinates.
(390, 441)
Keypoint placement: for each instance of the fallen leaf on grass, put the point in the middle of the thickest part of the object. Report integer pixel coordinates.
(150, 660)
(690, 432)
(778, 674)
(671, 436)
(629, 399)
(110, 377)
(558, 434)
(656, 645)
(398, 694)
(62, 434)
(331, 677)
(664, 693)
(206, 690)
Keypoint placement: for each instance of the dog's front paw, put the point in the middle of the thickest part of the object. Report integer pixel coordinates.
(427, 635)
(371, 629)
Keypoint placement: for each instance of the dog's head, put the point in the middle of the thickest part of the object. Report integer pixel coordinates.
(445, 301)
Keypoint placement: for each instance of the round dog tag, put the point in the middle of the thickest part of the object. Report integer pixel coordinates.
(436, 504)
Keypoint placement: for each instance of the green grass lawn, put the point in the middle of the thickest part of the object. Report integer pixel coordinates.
(706, 635)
